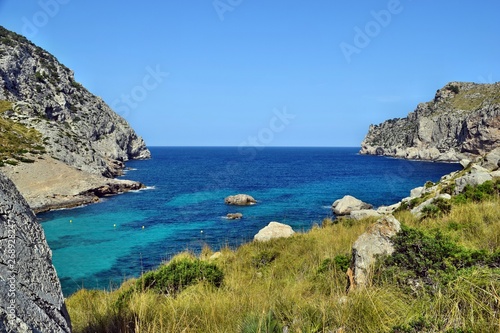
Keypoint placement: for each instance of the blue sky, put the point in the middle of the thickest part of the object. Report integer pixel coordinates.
(269, 73)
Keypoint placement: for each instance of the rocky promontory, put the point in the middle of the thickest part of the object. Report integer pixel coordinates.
(55, 133)
(462, 121)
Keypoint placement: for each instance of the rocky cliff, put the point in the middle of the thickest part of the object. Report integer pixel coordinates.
(463, 121)
(73, 125)
(31, 299)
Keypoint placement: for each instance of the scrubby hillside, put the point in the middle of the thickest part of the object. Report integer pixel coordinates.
(444, 276)
(463, 121)
(64, 118)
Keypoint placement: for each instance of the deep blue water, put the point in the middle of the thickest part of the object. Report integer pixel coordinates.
(100, 245)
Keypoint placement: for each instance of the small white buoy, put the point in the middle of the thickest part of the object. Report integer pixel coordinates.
(201, 232)
(114, 225)
(142, 227)
(70, 221)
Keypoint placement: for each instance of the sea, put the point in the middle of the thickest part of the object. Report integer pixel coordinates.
(182, 208)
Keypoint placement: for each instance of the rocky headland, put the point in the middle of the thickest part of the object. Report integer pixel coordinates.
(462, 121)
(61, 145)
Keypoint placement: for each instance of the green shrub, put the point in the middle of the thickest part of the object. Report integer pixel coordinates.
(264, 258)
(478, 193)
(179, 274)
(454, 88)
(428, 184)
(432, 258)
(340, 262)
(439, 207)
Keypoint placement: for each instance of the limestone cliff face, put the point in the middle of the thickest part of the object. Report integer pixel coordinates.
(77, 127)
(463, 121)
(31, 299)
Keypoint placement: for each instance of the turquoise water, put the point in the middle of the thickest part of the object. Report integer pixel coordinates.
(101, 245)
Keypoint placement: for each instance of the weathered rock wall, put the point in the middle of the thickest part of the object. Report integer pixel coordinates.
(463, 121)
(31, 299)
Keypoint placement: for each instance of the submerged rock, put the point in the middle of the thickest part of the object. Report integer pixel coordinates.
(234, 216)
(273, 230)
(240, 200)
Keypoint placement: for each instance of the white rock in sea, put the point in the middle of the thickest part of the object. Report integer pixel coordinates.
(274, 230)
(234, 216)
(240, 200)
(348, 204)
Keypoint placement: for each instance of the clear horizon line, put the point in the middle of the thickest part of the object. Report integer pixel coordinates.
(257, 147)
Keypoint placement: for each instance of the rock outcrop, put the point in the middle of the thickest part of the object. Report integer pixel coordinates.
(31, 299)
(463, 121)
(240, 200)
(374, 242)
(274, 230)
(348, 204)
(234, 216)
(364, 213)
(73, 125)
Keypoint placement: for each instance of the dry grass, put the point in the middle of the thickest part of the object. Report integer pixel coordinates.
(268, 286)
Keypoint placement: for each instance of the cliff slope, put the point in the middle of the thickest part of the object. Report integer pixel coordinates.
(31, 299)
(463, 121)
(60, 144)
(74, 126)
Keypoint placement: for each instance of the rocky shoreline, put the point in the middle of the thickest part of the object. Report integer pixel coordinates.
(49, 184)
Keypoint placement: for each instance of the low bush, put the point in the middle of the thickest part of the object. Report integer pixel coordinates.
(179, 274)
(478, 193)
(430, 258)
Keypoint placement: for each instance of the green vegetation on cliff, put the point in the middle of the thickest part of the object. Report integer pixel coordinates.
(443, 277)
(17, 140)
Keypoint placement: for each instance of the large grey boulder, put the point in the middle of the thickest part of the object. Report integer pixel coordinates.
(416, 192)
(491, 161)
(374, 242)
(273, 230)
(348, 204)
(31, 299)
(240, 200)
(477, 176)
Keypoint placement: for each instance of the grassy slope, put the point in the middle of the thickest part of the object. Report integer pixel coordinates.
(17, 140)
(286, 282)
